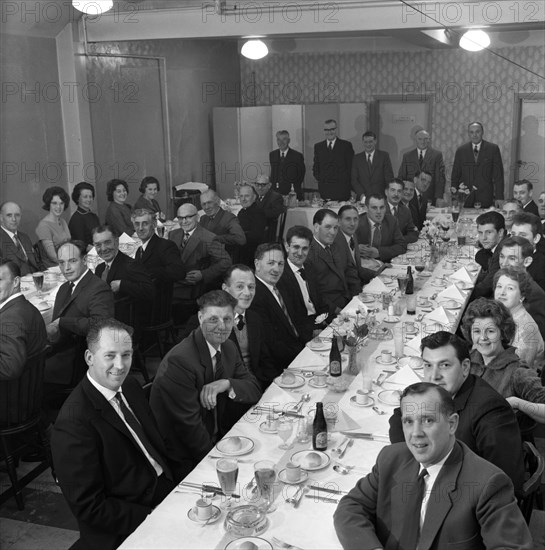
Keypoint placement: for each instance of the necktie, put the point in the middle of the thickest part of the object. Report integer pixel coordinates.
(220, 371)
(421, 159)
(330, 145)
(369, 160)
(414, 493)
(139, 254)
(352, 244)
(303, 274)
(282, 156)
(105, 273)
(19, 246)
(377, 236)
(475, 153)
(184, 240)
(240, 321)
(285, 310)
(394, 211)
(136, 427)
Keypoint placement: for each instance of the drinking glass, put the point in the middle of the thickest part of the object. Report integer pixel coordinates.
(419, 267)
(302, 431)
(227, 470)
(285, 428)
(265, 477)
(38, 278)
(402, 283)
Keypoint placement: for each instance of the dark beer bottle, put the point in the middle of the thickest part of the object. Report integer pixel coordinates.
(410, 281)
(335, 360)
(409, 293)
(319, 429)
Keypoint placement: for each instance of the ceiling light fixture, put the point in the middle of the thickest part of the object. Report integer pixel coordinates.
(474, 40)
(254, 49)
(93, 7)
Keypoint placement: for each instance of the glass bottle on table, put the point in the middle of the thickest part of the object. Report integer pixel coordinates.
(409, 293)
(319, 429)
(335, 360)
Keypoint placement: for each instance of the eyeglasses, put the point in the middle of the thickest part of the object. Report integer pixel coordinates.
(261, 184)
(182, 218)
(330, 129)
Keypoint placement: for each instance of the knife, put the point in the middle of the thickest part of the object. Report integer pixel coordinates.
(285, 413)
(361, 435)
(298, 501)
(323, 499)
(206, 488)
(327, 490)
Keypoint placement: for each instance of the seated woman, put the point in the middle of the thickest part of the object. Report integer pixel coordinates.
(52, 231)
(83, 221)
(490, 327)
(511, 287)
(149, 189)
(118, 214)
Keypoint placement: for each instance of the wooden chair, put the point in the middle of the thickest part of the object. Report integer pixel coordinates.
(20, 421)
(534, 464)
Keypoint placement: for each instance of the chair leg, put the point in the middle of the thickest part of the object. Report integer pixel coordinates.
(12, 472)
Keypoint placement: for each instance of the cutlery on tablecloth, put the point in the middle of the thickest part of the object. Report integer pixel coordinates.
(328, 490)
(257, 410)
(320, 498)
(349, 444)
(281, 544)
(205, 488)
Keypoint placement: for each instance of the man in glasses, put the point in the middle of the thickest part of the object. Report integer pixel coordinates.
(333, 164)
(272, 204)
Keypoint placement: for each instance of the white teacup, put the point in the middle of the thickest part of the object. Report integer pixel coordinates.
(204, 509)
(362, 398)
(386, 356)
(293, 472)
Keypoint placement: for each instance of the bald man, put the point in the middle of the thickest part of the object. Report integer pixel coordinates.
(272, 204)
(14, 244)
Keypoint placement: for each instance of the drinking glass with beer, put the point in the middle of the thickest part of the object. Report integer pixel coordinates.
(227, 470)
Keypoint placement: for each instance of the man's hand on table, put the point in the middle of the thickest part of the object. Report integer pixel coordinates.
(210, 391)
(367, 251)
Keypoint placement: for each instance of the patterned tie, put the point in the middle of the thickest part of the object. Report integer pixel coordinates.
(369, 160)
(394, 211)
(413, 496)
(139, 254)
(421, 160)
(377, 236)
(475, 153)
(184, 240)
(240, 321)
(136, 427)
(220, 371)
(19, 246)
(352, 244)
(285, 310)
(330, 145)
(105, 273)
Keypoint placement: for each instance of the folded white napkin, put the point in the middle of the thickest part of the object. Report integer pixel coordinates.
(452, 292)
(125, 239)
(405, 376)
(92, 252)
(376, 285)
(413, 345)
(462, 275)
(439, 315)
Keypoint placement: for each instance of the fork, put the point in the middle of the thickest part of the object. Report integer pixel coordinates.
(237, 459)
(378, 411)
(293, 499)
(281, 544)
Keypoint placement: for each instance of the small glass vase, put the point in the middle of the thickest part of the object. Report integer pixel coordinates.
(365, 367)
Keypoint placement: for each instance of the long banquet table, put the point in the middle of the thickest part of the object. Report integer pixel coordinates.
(310, 526)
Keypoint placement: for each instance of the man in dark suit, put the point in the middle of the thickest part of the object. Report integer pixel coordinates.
(298, 285)
(347, 240)
(487, 423)
(203, 256)
(425, 158)
(272, 204)
(253, 222)
(196, 378)
(418, 205)
(394, 206)
(528, 226)
(509, 208)
(14, 244)
(22, 328)
(335, 274)
(333, 164)
(223, 224)
(478, 164)
(110, 460)
(81, 301)
(522, 192)
(287, 166)
(431, 492)
(371, 169)
(270, 303)
(378, 232)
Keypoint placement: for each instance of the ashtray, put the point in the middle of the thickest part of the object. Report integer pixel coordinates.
(246, 521)
(381, 333)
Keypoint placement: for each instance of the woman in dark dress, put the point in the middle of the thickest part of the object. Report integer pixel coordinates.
(118, 215)
(149, 189)
(83, 221)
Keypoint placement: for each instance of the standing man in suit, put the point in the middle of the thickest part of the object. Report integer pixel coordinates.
(418, 204)
(282, 336)
(347, 240)
(196, 379)
(478, 164)
(272, 204)
(287, 166)
(203, 256)
(425, 158)
(223, 224)
(371, 169)
(378, 232)
(14, 244)
(109, 457)
(253, 222)
(394, 206)
(522, 192)
(299, 285)
(333, 164)
(335, 274)
(81, 301)
(22, 328)
(432, 491)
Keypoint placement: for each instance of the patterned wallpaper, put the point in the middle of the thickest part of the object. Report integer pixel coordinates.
(467, 86)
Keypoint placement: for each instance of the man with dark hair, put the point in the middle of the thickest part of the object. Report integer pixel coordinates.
(378, 232)
(371, 169)
(479, 166)
(522, 191)
(426, 158)
(287, 166)
(22, 328)
(271, 203)
(110, 460)
(270, 303)
(336, 276)
(196, 379)
(394, 206)
(487, 424)
(332, 164)
(418, 204)
(508, 209)
(81, 301)
(529, 227)
(431, 491)
(14, 244)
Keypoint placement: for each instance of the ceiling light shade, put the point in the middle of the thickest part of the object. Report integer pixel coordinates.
(254, 49)
(93, 7)
(474, 41)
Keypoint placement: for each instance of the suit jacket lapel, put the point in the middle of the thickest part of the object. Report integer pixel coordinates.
(191, 244)
(146, 254)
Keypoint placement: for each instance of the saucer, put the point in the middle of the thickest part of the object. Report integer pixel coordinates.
(192, 515)
(282, 476)
(393, 319)
(263, 428)
(319, 346)
(299, 381)
(413, 331)
(450, 304)
(252, 542)
(425, 274)
(44, 306)
(246, 445)
(370, 403)
(441, 284)
(366, 298)
(389, 397)
(313, 383)
(379, 360)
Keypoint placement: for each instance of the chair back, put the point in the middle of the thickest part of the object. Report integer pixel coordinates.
(534, 464)
(280, 224)
(21, 399)
(162, 305)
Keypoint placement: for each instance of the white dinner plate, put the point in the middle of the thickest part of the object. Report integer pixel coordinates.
(298, 382)
(299, 457)
(322, 345)
(225, 446)
(244, 542)
(450, 304)
(44, 306)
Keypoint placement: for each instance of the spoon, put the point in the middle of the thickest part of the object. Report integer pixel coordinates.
(345, 469)
(305, 398)
(377, 410)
